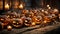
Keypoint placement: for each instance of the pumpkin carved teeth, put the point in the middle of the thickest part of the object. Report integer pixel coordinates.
(17, 23)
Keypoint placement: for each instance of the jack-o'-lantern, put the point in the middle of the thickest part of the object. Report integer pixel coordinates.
(28, 22)
(53, 17)
(17, 23)
(36, 20)
(55, 11)
(46, 19)
(39, 21)
(1, 19)
(4, 21)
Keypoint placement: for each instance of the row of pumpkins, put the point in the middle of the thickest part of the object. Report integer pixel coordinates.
(19, 22)
(25, 19)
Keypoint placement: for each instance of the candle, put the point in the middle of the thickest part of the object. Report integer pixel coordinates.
(6, 6)
(42, 10)
(47, 5)
(21, 6)
(9, 28)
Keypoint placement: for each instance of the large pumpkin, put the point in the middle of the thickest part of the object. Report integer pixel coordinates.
(17, 23)
(28, 22)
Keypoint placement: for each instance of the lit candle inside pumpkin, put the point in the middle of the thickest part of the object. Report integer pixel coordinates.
(21, 6)
(33, 23)
(6, 6)
(9, 28)
(45, 21)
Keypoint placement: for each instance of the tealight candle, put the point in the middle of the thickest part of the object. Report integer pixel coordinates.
(9, 28)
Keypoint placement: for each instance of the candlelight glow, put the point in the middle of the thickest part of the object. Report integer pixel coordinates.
(21, 6)
(6, 6)
(42, 10)
(48, 6)
(14, 22)
(33, 23)
(1, 19)
(26, 21)
(9, 27)
(8, 16)
(45, 21)
(1, 5)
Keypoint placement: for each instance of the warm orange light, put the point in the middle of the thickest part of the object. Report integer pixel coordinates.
(1, 5)
(48, 6)
(1, 19)
(55, 10)
(8, 16)
(33, 23)
(45, 21)
(21, 6)
(6, 6)
(14, 22)
(42, 10)
(9, 27)
(26, 21)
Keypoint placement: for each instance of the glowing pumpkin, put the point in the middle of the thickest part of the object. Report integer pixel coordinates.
(17, 23)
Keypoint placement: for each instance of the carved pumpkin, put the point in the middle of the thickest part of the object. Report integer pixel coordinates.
(28, 22)
(17, 23)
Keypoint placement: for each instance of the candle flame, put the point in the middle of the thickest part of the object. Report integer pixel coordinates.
(21, 6)
(6, 6)
(47, 5)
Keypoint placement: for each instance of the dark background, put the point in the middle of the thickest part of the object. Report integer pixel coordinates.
(36, 3)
